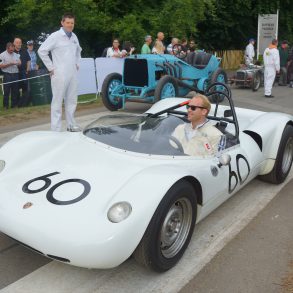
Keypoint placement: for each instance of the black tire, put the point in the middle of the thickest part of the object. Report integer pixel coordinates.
(105, 92)
(166, 81)
(256, 81)
(284, 158)
(175, 216)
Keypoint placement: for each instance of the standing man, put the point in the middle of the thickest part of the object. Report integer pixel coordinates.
(9, 65)
(23, 71)
(65, 50)
(284, 58)
(33, 56)
(159, 43)
(271, 60)
(249, 52)
(146, 47)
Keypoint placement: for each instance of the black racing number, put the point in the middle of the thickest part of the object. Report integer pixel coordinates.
(50, 194)
(45, 178)
(237, 176)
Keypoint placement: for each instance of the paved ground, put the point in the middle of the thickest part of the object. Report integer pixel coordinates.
(244, 246)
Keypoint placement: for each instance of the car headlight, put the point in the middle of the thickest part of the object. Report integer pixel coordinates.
(119, 211)
(2, 165)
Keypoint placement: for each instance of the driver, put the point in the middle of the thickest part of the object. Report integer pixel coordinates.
(199, 137)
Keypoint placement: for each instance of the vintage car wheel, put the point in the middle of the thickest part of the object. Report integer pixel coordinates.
(166, 87)
(284, 158)
(170, 229)
(110, 82)
(256, 81)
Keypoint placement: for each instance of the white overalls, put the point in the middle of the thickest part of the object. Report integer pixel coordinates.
(65, 55)
(271, 60)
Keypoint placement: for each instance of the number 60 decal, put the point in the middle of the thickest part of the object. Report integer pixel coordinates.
(50, 193)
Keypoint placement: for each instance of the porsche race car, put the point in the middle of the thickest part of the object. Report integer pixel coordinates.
(124, 186)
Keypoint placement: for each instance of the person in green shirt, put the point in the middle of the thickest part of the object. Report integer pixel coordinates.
(284, 54)
(146, 47)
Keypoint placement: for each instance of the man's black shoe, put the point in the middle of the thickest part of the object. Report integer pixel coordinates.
(269, 96)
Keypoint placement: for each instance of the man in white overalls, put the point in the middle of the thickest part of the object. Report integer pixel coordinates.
(65, 50)
(271, 60)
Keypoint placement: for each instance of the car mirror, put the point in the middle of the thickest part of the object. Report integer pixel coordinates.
(224, 160)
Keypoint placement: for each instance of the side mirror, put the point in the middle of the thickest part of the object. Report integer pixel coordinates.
(224, 160)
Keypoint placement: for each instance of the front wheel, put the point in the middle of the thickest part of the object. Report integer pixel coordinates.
(111, 85)
(166, 87)
(170, 229)
(284, 158)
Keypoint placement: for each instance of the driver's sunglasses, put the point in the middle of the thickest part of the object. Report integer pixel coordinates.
(193, 108)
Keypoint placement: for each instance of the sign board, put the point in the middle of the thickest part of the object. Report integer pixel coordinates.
(267, 31)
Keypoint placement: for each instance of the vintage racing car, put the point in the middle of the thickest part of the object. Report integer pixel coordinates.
(150, 78)
(124, 186)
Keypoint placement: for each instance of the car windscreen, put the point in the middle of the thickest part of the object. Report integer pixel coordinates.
(137, 133)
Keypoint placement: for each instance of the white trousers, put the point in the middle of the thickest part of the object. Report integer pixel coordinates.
(269, 78)
(64, 87)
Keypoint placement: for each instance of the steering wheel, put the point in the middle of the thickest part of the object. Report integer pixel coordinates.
(178, 51)
(177, 142)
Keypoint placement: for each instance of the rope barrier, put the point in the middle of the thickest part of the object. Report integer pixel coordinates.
(3, 83)
(24, 79)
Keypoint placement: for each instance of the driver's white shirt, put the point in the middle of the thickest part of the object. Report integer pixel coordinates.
(200, 141)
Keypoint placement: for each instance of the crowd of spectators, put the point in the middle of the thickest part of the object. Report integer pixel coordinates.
(149, 47)
(17, 63)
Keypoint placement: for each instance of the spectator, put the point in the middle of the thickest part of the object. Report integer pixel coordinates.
(284, 54)
(146, 47)
(23, 71)
(65, 50)
(174, 41)
(114, 51)
(184, 45)
(192, 46)
(33, 56)
(127, 48)
(290, 68)
(271, 59)
(249, 52)
(9, 65)
(160, 48)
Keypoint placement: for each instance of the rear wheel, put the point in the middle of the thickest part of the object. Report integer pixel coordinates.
(170, 229)
(166, 87)
(256, 81)
(284, 158)
(111, 84)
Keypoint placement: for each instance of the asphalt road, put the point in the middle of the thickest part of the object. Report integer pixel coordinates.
(243, 246)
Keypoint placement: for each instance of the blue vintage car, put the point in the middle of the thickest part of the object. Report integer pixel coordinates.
(150, 78)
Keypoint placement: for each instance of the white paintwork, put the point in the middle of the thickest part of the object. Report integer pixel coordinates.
(81, 231)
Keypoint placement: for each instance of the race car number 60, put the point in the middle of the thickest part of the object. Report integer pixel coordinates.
(50, 192)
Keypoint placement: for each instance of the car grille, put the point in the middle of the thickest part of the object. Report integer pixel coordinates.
(135, 72)
(240, 77)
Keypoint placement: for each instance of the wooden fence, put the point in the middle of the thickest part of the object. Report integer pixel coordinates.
(231, 59)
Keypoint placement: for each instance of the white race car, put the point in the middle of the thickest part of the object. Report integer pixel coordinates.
(124, 186)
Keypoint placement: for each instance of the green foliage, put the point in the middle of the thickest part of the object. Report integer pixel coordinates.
(215, 24)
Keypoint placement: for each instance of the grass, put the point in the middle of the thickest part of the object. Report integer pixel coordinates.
(83, 102)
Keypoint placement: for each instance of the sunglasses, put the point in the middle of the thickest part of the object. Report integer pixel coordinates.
(193, 108)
